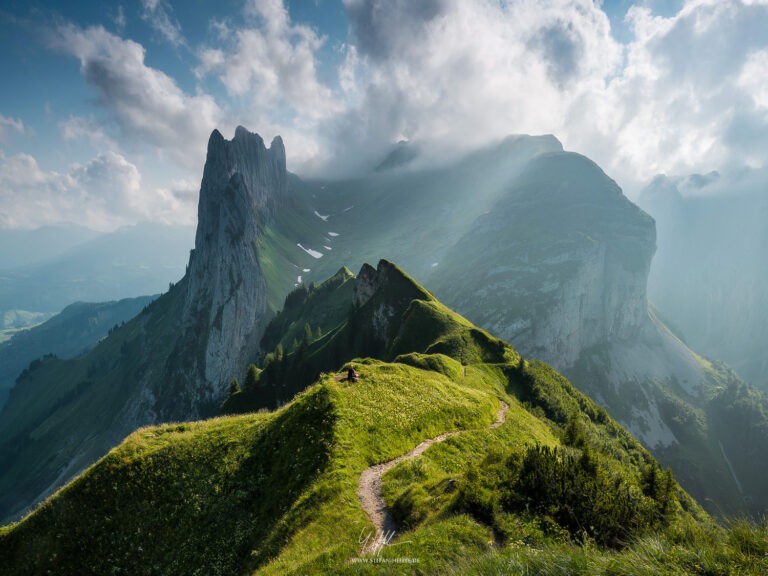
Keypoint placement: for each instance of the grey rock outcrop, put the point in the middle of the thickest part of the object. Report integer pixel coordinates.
(173, 361)
(243, 183)
(558, 265)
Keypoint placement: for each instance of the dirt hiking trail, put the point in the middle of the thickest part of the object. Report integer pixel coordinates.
(369, 486)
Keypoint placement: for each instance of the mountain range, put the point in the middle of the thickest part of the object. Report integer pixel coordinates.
(530, 242)
(342, 470)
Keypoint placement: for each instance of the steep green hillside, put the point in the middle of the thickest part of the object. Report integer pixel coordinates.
(277, 492)
(57, 418)
(70, 333)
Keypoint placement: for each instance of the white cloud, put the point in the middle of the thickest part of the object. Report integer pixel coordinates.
(146, 103)
(269, 68)
(272, 64)
(348, 69)
(78, 128)
(458, 74)
(753, 78)
(104, 193)
(688, 98)
(158, 14)
(10, 125)
(687, 94)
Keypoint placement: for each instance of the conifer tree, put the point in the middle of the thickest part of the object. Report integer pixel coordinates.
(251, 377)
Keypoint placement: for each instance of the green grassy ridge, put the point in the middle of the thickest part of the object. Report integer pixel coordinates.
(389, 411)
(275, 493)
(191, 498)
(688, 549)
(228, 492)
(400, 317)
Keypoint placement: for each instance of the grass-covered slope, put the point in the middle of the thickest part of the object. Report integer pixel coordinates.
(276, 492)
(70, 333)
(58, 416)
(382, 313)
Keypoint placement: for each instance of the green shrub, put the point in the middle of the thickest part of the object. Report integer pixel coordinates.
(411, 507)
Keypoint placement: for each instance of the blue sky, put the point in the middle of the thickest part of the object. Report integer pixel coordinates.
(106, 106)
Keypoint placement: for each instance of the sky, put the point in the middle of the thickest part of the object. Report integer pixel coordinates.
(106, 107)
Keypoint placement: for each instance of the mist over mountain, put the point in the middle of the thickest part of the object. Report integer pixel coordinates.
(709, 275)
(25, 247)
(129, 262)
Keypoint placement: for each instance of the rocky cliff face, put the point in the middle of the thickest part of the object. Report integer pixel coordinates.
(558, 265)
(173, 361)
(243, 183)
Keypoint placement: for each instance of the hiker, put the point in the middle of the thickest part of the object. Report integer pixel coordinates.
(352, 376)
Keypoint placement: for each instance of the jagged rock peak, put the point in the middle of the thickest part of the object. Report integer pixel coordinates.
(262, 169)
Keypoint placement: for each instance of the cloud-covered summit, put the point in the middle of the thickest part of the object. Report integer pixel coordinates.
(683, 91)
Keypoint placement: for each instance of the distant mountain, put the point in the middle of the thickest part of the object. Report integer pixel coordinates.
(68, 334)
(709, 275)
(403, 153)
(18, 319)
(526, 240)
(134, 260)
(26, 247)
(487, 450)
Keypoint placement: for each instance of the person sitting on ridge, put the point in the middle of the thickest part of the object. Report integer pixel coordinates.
(351, 376)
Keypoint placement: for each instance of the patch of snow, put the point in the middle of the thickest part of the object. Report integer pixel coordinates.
(313, 253)
(332, 234)
(323, 187)
(434, 264)
(730, 467)
(348, 208)
(323, 218)
(306, 270)
(298, 280)
(328, 248)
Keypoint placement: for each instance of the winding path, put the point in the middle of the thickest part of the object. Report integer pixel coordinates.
(369, 486)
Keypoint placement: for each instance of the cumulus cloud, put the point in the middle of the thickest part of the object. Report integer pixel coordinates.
(269, 67)
(458, 74)
(145, 102)
(102, 194)
(688, 93)
(689, 98)
(272, 62)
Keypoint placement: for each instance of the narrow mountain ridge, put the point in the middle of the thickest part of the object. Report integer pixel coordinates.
(276, 492)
